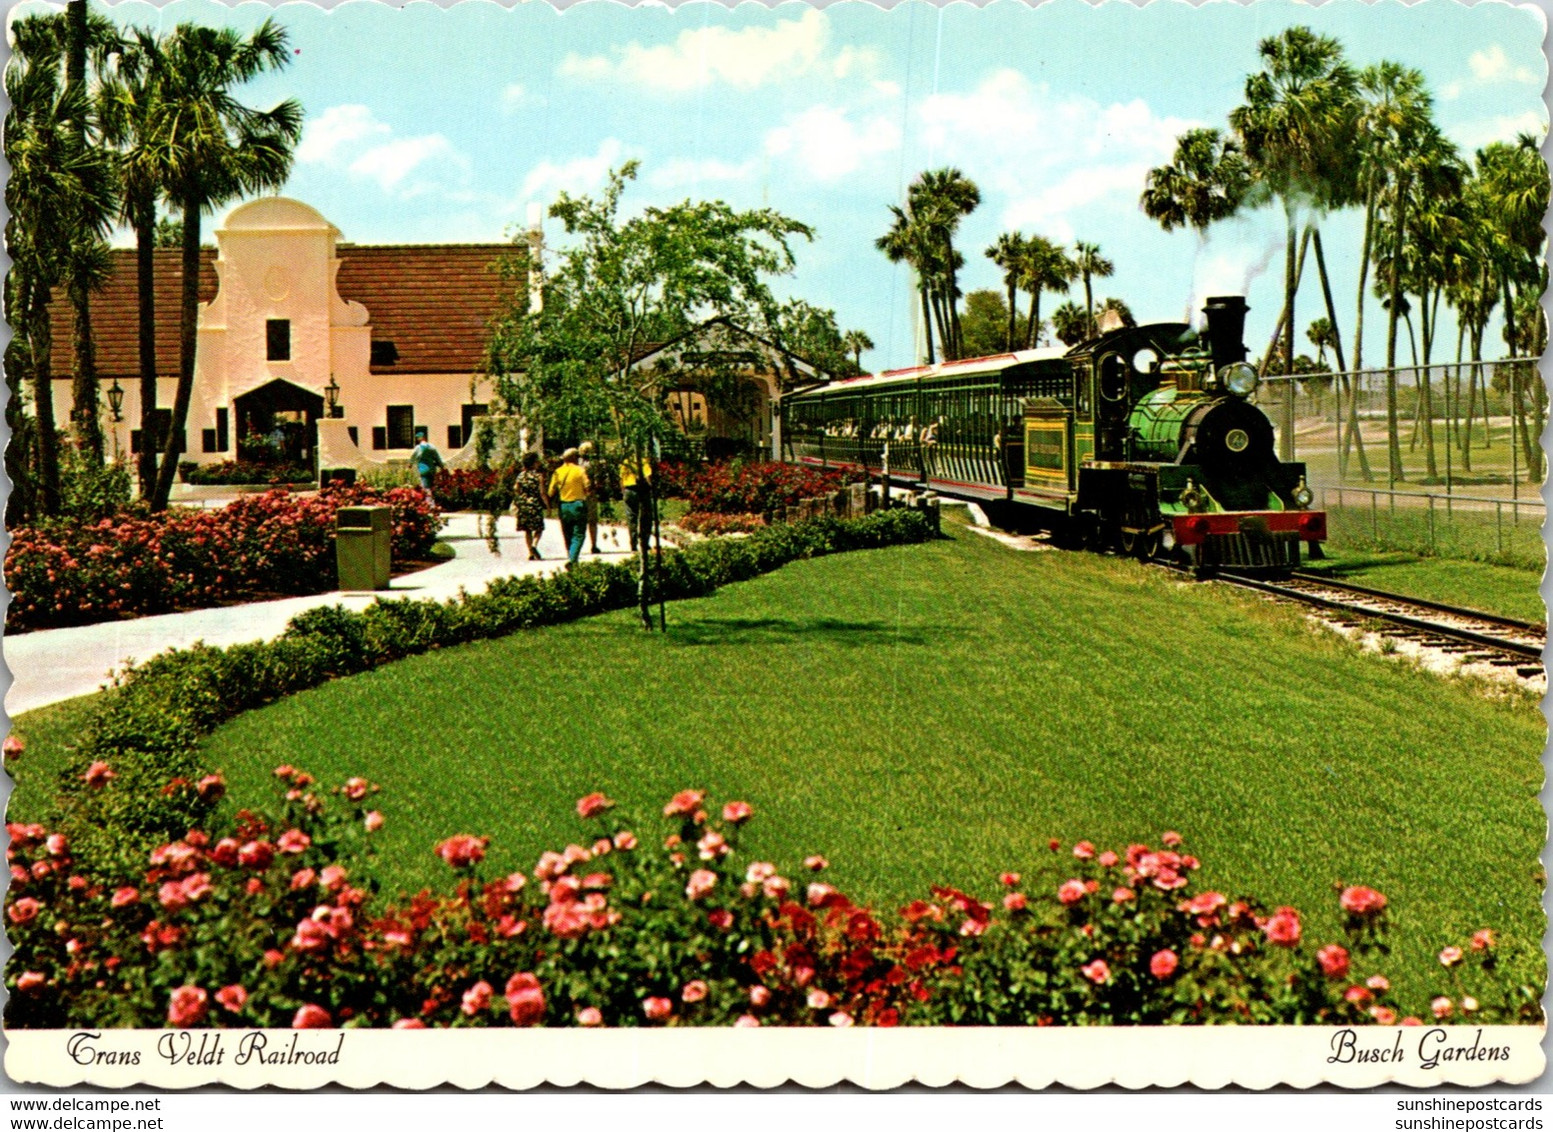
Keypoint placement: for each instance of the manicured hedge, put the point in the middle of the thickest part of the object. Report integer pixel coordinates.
(68, 573)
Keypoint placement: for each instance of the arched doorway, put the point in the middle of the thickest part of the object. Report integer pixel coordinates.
(278, 423)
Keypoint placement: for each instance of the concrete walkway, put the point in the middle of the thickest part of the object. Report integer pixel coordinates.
(51, 665)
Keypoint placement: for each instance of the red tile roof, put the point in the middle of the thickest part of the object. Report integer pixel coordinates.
(432, 301)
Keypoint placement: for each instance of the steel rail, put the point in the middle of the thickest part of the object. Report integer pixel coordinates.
(1531, 628)
(1415, 624)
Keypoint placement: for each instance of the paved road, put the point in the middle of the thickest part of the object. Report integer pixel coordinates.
(51, 665)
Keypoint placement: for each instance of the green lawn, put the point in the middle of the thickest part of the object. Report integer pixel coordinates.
(1504, 590)
(1510, 536)
(935, 713)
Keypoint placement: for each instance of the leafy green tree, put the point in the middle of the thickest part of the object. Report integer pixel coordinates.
(1008, 252)
(910, 242)
(60, 199)
(1207, 180)
(1118, 310)
(624, 284)
(1046, 267)
(940, 199)
(1090, 265)
(812, 334)
(855, 342)
(1070, 323)
(985, 324)
(209, 148)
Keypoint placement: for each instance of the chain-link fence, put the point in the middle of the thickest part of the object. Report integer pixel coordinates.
(1507, 531)
(1456, 428)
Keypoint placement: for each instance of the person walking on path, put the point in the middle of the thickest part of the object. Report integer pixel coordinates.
(530, 501)
(569, 484)
(585, 461)
(635, 475)
(427, 461)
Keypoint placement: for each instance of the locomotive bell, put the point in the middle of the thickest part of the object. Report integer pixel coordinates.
(1226, 316)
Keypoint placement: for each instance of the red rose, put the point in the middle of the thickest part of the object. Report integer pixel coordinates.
(187, 1006)
(311, 1017)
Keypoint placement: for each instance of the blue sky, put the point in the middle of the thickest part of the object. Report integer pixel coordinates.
(431, 124)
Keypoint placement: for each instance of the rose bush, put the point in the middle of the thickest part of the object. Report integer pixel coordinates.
(473, 489)
(249, 472)
(272, 920)
(759, 487)
(186, 558)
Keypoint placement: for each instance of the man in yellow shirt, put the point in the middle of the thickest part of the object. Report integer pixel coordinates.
(569, 484)
(634, 475)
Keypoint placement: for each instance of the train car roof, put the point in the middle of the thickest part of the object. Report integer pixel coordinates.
(965, 367)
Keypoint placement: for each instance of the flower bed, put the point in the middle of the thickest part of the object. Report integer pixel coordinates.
(269, 920)
(758, 488)
(473, 489)
(248, 472)
(129, 565)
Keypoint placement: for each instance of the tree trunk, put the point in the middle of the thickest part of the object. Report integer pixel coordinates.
(145, 301)
(945, 330)
(1089, 306)
(1290, 285)
(1426, 384)
(1353, 436)
(1530, 445)
(927, 321)
(85, 406)
(1393, 316)
(644, 541)
(951, 298)
(188, 339)
(1033, 326)
(1013, 317)
(41, 345)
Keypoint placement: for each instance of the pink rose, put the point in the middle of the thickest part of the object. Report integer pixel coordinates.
(211, 788)
(1071, 892)
(736, 813)
(225, 852)
(1163, 964)
(657, 1009)
(1084, 850)
(332, 878)
(311, 1017)
(760, 994)
(702, 881)
(408, 1024)
(303, 878)
(625, 841)
(24, 911)
(1015, 902)
(373, 821)
(187, 1006)
(462, 850)
(815, 863)
(1097, 972)
(13, 746)
(477, 998)
(125, 895)
(1008, 880)
(684, 803)
(56, 844)
(1357, 900)
(841, 1019)
(818, 999)
(356, 788)
(1171, 839)
(1283, 927)
(746, 1021)
(1107, 859)
(525, 999)
(1482, 939)
(1378, 983)
(1334, 961)
(593, 805)
(590, 1016)
(712, 846)
(1442, 1007)
(232, 998)
(31, 981)
(1357, 996)
(694, 991)
(720, 918)
(760, 872)
(98, 774)
(1469, 1005)
(293, 841)
(1383, 1015)
(1204, 904)
(256, 855)
(1450, 957)
(1122, 895)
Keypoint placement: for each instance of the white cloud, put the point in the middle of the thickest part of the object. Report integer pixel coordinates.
(1500, 128)
(1047, 156)
(744, 59)
(827, 144)
(686, 171)
(576, 176)
(515, 97)
(337, 128)
(1489, 66)
(351, 139)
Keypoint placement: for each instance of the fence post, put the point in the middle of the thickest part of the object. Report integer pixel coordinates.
(1433, 549)
(1375, 515)
(1499, 525)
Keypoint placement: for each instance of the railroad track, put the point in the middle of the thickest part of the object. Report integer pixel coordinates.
(1469, 633)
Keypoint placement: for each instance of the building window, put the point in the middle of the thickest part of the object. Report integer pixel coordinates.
(379, 438)
(208, 440)
(455, 437)
(223, 430)
(401, 426)
(277, 339)
(384, 353)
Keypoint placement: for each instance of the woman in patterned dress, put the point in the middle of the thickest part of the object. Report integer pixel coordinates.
(530, 502)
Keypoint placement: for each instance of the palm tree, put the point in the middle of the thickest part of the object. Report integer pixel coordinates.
(1090, 264)
(1207, 180)
(1008, 251)
(855, 342)
(1046, 267)
(1119, 309)
(1293, 128)
(60, 197)
(941, 198)
(907, 242)
(1070, 323)
(210, 148)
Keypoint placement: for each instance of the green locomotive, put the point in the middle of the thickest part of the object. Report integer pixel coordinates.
(1144, 439)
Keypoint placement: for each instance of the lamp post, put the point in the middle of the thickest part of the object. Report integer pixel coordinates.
(332, 397)
(116, 401)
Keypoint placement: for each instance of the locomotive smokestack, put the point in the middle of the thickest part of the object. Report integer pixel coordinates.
(1226, 328)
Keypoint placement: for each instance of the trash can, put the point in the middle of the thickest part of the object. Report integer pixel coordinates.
(363, 539)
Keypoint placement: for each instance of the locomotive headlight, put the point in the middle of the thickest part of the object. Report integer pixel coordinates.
(1302, 495)
(1239, 378)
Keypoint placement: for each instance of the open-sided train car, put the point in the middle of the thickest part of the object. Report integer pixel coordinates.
(1144, 439)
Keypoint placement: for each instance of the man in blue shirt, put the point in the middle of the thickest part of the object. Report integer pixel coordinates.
(427, 461)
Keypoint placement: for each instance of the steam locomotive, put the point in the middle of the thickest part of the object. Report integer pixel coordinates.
(1144, 440)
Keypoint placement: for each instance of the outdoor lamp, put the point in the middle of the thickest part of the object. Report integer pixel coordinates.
(116, 401)
(332, 396)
